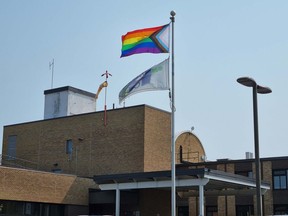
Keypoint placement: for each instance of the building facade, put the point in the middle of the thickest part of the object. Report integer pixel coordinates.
(30, 192)
(52, 160)
(275, 201)
(135, 139)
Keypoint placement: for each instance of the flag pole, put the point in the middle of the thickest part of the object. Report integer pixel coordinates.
(105, 105)
(173, 175)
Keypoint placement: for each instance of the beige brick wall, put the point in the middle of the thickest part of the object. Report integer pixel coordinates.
(35, 186)
(226, 167)
(268, 196)
(193, 206)
(191, 147)
(231, 208)
(221, 206)
(226, 204)
(135, 139)
(228, 209)
(157, 139)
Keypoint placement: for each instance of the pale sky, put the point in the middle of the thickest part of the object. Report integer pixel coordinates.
(216, 42)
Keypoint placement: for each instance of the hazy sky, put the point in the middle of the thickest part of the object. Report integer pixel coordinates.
(215, 43)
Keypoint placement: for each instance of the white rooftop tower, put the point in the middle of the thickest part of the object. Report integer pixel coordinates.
(66, 101)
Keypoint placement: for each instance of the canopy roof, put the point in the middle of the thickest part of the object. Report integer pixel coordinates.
(185, 179)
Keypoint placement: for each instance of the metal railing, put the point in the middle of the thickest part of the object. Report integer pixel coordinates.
(7, 160)
(188, 156)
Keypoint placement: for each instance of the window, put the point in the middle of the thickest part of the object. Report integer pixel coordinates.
(280, 209)
(69, 148)
(183, 211)
(248, 174)
(279, 179)
(11, 151)
(211, 210)
(244, 210)
(32, 209)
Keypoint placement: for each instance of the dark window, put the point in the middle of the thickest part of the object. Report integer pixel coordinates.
(32, 209)
(183, 211)
(2, 207)
(280, 209)
(211, 211)
(69, 148)
(244, 210)
(279, 179)
(11, 151)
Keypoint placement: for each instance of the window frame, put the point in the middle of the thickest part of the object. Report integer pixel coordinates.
(12, 147)
(281, 179)
(69, 148)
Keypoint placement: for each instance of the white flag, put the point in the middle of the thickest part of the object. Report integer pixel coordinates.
(155, 78)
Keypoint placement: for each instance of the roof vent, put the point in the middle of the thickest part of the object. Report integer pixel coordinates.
(249, 155)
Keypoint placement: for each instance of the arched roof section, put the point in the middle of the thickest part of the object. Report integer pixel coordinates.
(192, 148)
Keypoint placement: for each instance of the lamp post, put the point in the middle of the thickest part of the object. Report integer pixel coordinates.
(249, 82)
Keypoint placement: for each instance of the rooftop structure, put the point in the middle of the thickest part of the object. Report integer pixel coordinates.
(66, 101)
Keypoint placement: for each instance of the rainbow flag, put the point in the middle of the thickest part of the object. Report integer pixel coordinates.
(148, 40)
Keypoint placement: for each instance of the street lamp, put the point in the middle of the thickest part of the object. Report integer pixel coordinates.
(249, 82)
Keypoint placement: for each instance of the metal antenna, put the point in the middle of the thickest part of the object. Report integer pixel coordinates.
(51, 67)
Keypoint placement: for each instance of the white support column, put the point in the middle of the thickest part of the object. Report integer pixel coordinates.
(117, 207)
(201, 200)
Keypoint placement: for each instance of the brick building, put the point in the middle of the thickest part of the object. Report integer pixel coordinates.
(30, 192)
(54, 161)
(275, 201)
(81, 145)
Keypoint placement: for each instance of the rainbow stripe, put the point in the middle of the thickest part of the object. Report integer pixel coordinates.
(148, 40)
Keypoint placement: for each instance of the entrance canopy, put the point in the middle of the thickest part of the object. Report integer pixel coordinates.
(214, 181)
(185, 179)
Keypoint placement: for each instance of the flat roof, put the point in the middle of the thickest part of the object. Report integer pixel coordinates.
(90, 113)
(69, 88)
(229, 161)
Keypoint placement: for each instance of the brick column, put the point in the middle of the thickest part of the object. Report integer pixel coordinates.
(268, 196)
(192, 206)
(221, 206)
(226, 204)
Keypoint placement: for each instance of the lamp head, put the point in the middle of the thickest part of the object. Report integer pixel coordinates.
(247, 81)
(263, 90)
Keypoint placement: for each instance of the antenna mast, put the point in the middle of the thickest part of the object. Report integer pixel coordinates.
(51, 67)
